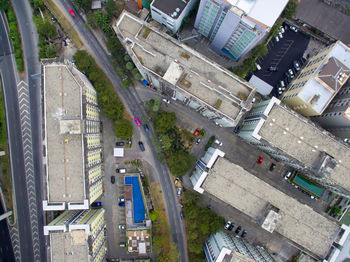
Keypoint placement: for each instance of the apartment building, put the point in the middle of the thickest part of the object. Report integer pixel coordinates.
(299, 143)
(183, 74)
(336, 117)
(319, 81)
(78, 235)
(223, 247)
(272, 209)
(72, 138)
(171, 13)
(234, 27)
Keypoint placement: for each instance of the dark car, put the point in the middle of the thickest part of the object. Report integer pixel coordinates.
(236, 130)
(97, 204)
(272, 167)
(142, 147)
(244, 233)
(260, 159)
(198, 140)
(182, 215)
(231, 226)
(145, 126)
(121, 143)
(238, 229)
(121, 204)
(112, 179)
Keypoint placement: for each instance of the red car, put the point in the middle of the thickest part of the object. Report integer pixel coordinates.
(260, 159)
(196, 132)
(137, 121)
(71, 12)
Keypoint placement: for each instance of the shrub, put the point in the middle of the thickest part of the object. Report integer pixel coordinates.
(123, 129)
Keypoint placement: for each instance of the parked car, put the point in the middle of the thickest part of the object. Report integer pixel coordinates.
(273, 68)
(121, 200)
(176, 181)
(122, 244)
(238, 229)
(227, 224)
(198, 140)
(145, 126)
(281, 29)
(121, 170)
(282, 84)
(296, 65)
(218, 142)
(179, 190)
(287, 175)
(196, 132)
(121, 143)
(236, 130)
(112, 179)
(121, 204)
(272, 167)
(142, 147)
(291, 73)
(231, 226)
(258, 66)
(71, 12)
(121, 226)
(97, 204)
(280, 35)
(293, 28)
(277, 39)
(244, 233)
(166, 100)
(182, 215)
(260, 159)
(137, 121)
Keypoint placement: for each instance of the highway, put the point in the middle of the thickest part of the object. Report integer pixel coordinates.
(132, 103)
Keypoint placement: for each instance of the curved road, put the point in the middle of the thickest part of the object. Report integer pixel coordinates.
(132, 102)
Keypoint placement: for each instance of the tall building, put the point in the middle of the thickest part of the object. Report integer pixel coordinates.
(236, 26)
(272, 209)
(171, 12)
(184, 74)
(336, 118)
(72, 138)
(319, 81)
(77, 235)
(223, 247)
(291, 138)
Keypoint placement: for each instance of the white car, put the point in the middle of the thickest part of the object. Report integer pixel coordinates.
(293, 28)
(280, 35)
(277, 39)
(166, 101)
(218, 142)
(281, 29)
(121, 226)
(179, 190)
(287, 175)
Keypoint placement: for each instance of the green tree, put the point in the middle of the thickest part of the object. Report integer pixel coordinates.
(46, 29)
(180, 163)
(110, 8)
(156, 105)
(91, 19)
(123, 128)
(164, 121)
(126, 58)
(290, 9)
(166, 142)
(4, 5)
(83, 4)
(110, 104)
(83, 61)
(154, 215)
(129, 66)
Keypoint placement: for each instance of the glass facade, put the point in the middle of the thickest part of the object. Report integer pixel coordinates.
(210, 12)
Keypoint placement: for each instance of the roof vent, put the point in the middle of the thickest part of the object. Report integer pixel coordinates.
(177, 9)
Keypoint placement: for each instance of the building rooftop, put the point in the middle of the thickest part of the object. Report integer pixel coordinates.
(69, 246)
(64, 133)
(252, 196)
(310, 145)
(325, 18)
(172, 8)
(185, 68)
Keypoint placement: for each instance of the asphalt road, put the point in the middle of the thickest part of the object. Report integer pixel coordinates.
(6, 251)
(132, 102)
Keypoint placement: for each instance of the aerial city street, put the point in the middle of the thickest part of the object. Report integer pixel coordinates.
(175, 130)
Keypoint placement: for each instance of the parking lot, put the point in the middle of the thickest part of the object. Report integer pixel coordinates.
(281, 55)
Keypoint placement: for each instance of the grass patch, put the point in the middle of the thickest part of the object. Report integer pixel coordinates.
(64, 22)
(4, 160)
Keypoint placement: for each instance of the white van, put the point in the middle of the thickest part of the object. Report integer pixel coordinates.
(121, 170)
(218, 142)
(258, 66)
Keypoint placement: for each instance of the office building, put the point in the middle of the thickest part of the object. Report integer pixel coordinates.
(77, 235)
(336, 118)
(234, 27)
(299, 143)
(171, 12)
(184, 74)
(269, 207)
(319, 81)
(72, 139)
(223, 247)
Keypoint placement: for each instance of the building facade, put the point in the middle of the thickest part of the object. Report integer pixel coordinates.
(171, 13)
(291, 138)
(234, 27)
(336, 118)
(319, 81)
(183, 74)
(72, 138)
(221, 247)
(78, 235)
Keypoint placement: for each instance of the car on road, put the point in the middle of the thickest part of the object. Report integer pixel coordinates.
(196, 132)
(166, 100)
(137, 121)
(260, 159)
(182, 215)
(121, 170)
(121, 226)
(227, 224)
(122, 244)
(97, 204)
(291, 73)
(272, 167)
(296, 65)
(244, 233)
(179, 190)
(142, 147)
(71, 12)
(145, 126)
(198, 140)
(120, 143)
(112, 179)
(218, 142)
(287, 175)
(238, 229)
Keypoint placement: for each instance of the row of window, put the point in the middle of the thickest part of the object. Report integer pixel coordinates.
(300, 84)
(308, 72)
(290, 96)
(315, 61)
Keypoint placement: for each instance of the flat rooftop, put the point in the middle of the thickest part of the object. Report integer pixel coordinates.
(292, 134)
(247, 193)
(185, 68)
(172, 8)
(69, 246)
(64, 134)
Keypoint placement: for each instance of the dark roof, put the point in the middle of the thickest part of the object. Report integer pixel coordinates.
(334, 74)
(169, 7)
(325, 18)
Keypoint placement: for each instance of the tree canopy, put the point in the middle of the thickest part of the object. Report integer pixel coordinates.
(290, 9)
(164, 121)
(123, 128)
(180, 162)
